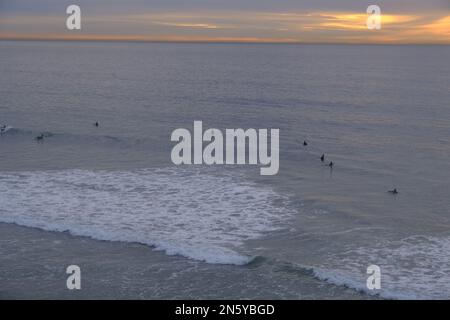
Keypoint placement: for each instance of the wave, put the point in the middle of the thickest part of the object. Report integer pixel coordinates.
(417, 267)
(187, 212)
(64, 137)
(9, 130)
(5, 128)
(337, 278)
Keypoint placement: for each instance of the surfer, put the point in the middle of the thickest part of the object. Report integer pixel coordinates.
(331, 164)
(322, 158)
(305, 143)
(40, 137)
(393, 191)
(96, 124)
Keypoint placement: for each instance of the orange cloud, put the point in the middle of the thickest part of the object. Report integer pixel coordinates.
(353, 21)
(438, 27)
(242, 26)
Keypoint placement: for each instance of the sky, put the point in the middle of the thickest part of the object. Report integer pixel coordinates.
(296, 21)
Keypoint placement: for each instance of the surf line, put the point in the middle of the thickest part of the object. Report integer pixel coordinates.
(237, 143)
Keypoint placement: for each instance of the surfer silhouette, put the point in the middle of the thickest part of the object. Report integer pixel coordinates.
(394, 191)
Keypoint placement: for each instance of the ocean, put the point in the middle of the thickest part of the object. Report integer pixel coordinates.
(380, 113)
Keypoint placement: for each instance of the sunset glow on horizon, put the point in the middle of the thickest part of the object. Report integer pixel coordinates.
(213, 25)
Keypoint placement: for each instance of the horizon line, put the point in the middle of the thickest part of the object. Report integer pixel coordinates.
(231, 41)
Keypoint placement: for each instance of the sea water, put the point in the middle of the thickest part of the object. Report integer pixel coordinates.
(380, 113)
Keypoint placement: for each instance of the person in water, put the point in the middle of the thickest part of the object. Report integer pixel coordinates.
(40, 137)
(96, 123)
(305, 143)
(393, 191)
(331, 164)
(322, 158)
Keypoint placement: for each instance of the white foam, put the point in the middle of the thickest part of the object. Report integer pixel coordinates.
(5, 129)
(414, 268)
(185, 212)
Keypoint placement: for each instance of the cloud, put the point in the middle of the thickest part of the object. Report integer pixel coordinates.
(352, 21)
(321, 26)
(440, 27)
(188, 25)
